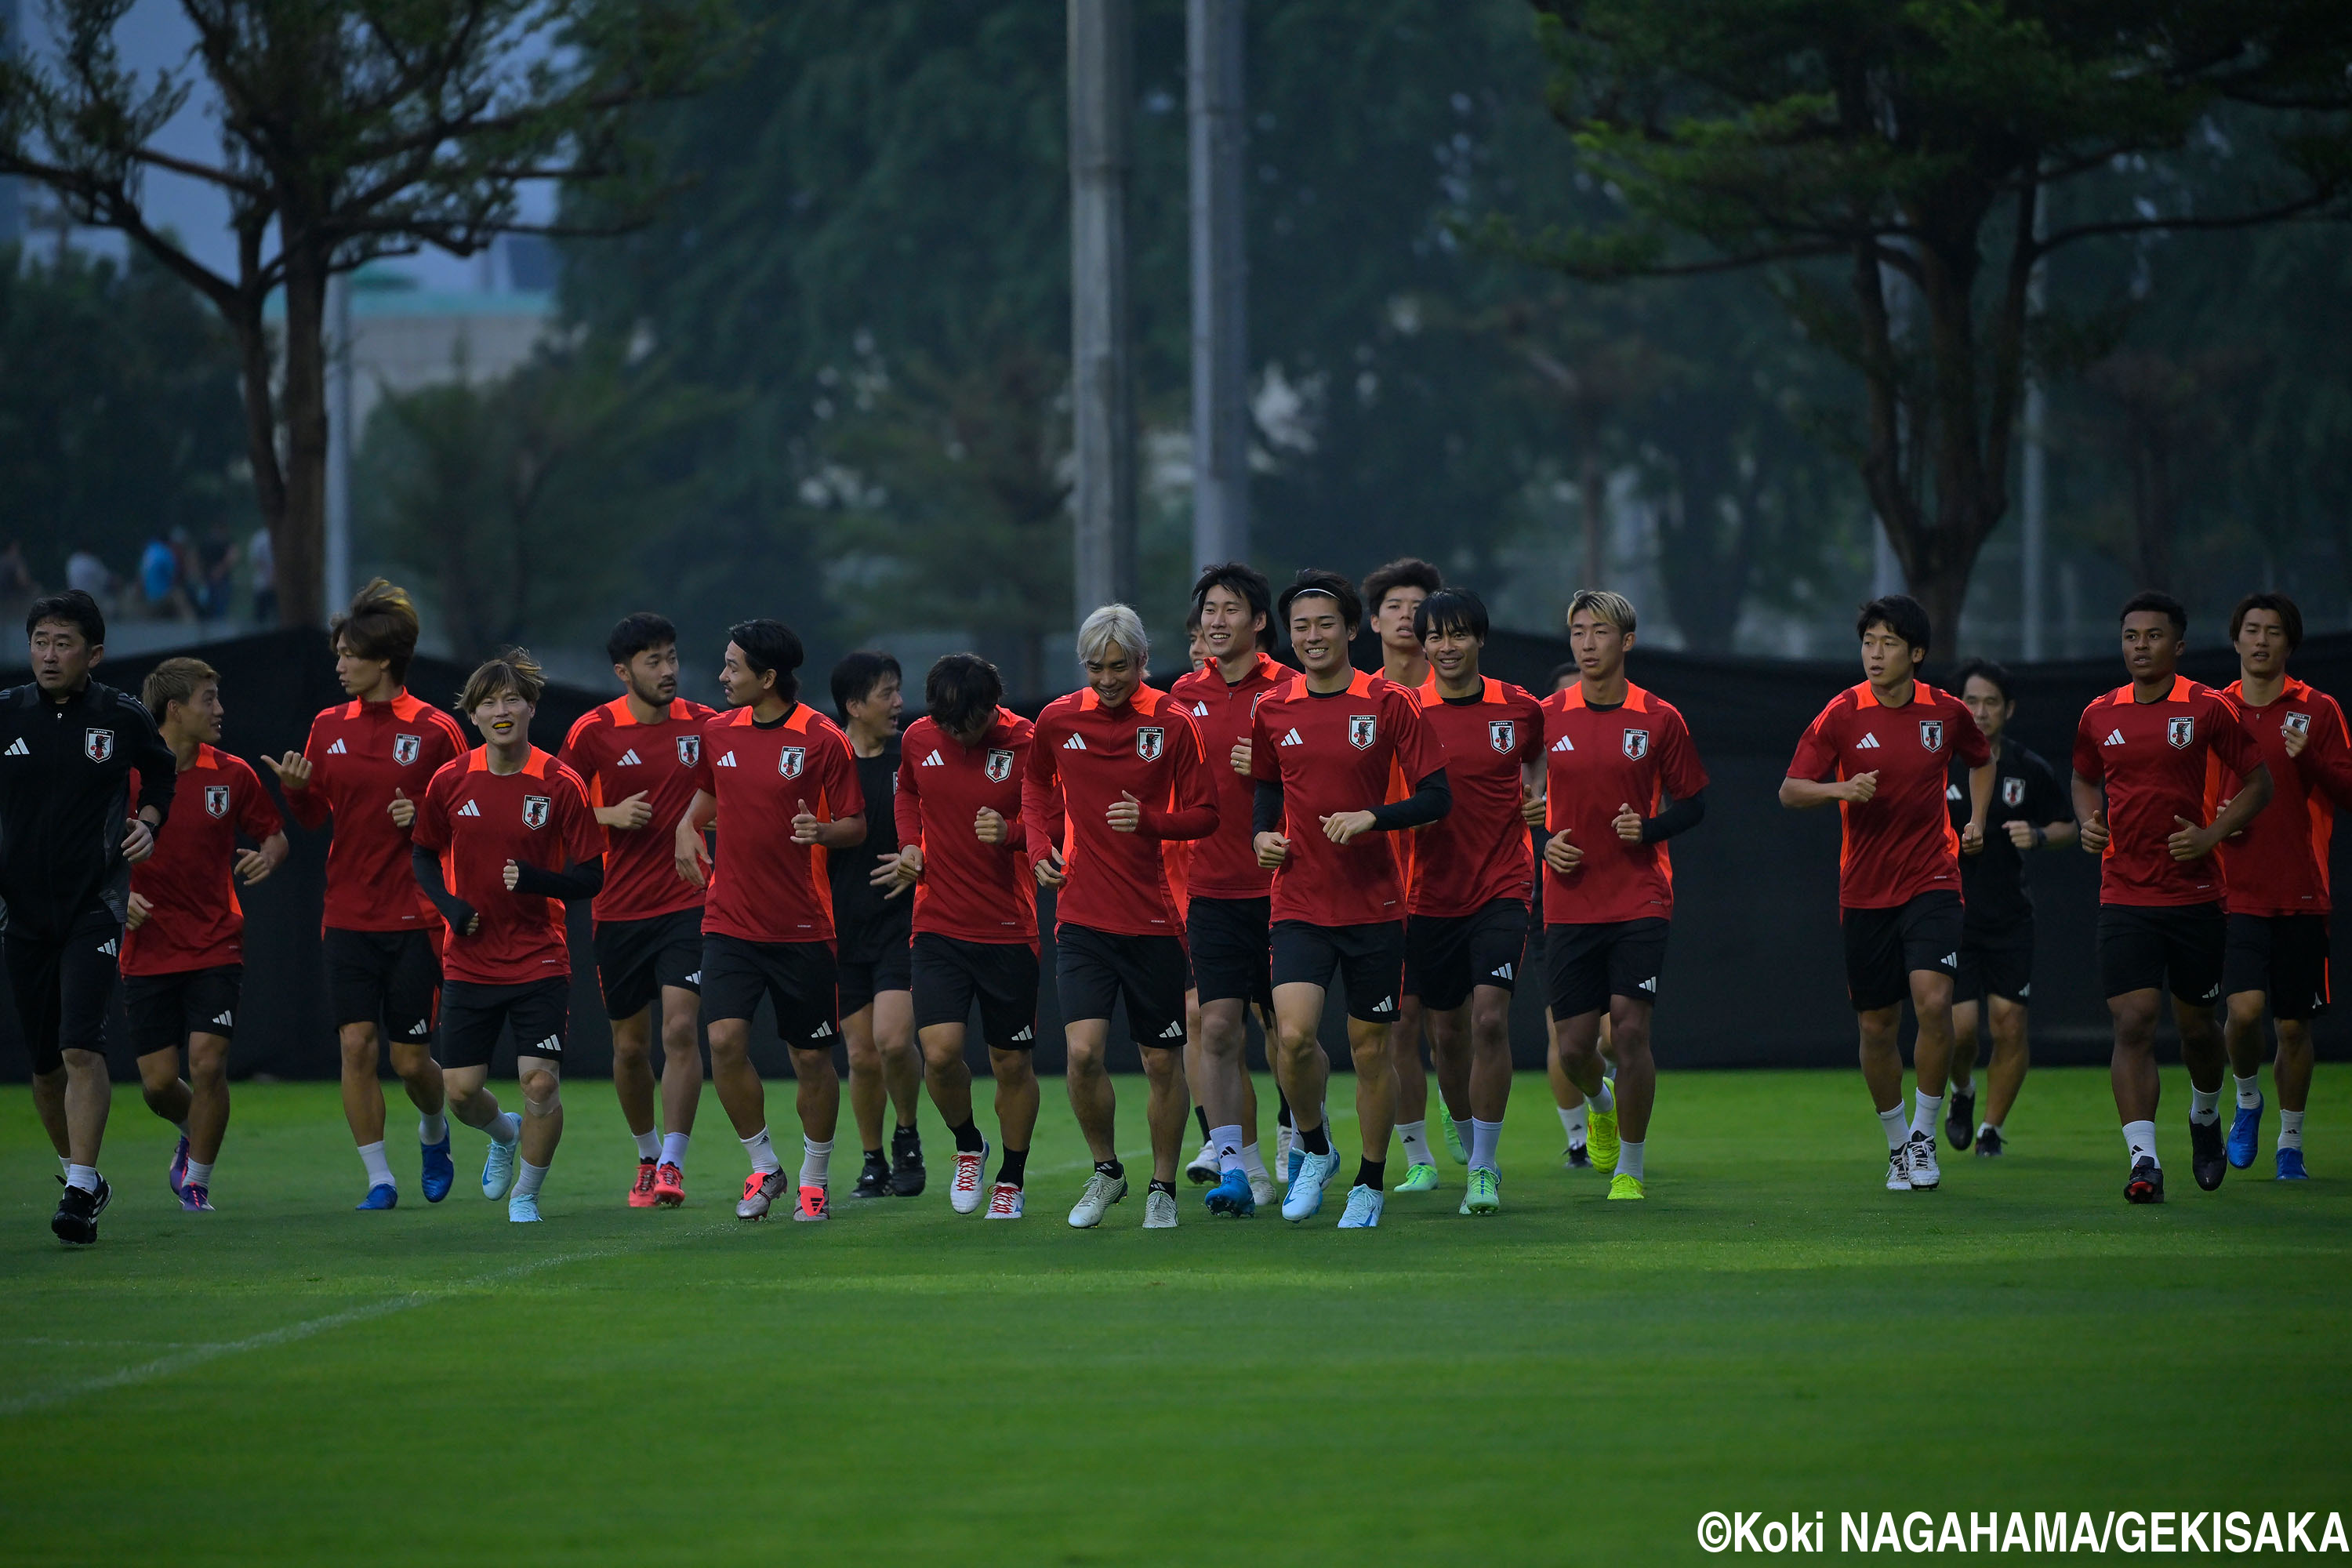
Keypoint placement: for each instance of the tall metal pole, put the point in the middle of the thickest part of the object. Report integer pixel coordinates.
(338, 584)
(11, 213)
(1101, 360)
(2035, 543)
(1214, 32)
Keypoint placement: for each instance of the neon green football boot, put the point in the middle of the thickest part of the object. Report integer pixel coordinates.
(1486, 1194)
(1419, 1179)
(1453, 1141)
(1621, 1185)
(1601, 1140)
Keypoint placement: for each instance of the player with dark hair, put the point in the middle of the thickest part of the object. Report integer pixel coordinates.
(1881, 750)
(1329, 749)
(872, 912)
(2141, 755)
(2276, 873)
(2030, 811)
(963, 850)
(68, 837)
(779, 776)
(505, 836)
(637, 755)
(365, 765)
(182, 945)
(1466, 935)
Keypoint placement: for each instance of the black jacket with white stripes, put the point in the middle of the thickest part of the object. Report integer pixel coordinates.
(65, 794)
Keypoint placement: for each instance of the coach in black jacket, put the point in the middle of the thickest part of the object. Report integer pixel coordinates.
(68, 748)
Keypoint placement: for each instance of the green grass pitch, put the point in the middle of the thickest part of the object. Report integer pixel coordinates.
(1574, 1381)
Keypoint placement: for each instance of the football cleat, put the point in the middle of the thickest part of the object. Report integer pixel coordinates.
(2207, 1160)
(1486, 1194)
(1622, 1186)
(2290, 1166)
(195, 1198)
(1898, 1171)
(641, 1192)
(970, 1167)
(2146, 1183)
(669, 1186)
(1961, 1118)
(1261, 1188)
(1419, 1179)
(2246, 1134)
(1094, 1202)
(1363, 1210)
(76, 1221)
(523, 1209)
(1989, 1142)
(1453, 1142)
(1004, 1202)
(906, 1172)
(874, 1179)
(383, 1195)
(177, 1176)
(1576, 1157)
(1233, 1194)
(1203, 1168)
(1920, 1155)
(440, 1170)
(810, 1206)
(1285, 1142)
(1304, 1198)
(499, 1168)
(1600, 1138)
(760, 1190)
(1159, 1210)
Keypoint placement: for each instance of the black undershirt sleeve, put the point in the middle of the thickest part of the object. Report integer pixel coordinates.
(1266, 809)
(1679, 817)
(427, 869)
(1432, 798)
(581, 880)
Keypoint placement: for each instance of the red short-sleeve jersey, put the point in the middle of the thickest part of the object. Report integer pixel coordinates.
(1089, 756)
(1900, 842)
(617, 757)
(1597, 760)
(360, 753)
(2154, 761)
(2278, 865)
(765, 886)
(1339, 752)
(1477, 852)
(1224, 864)
(475, 821)
(196, 921)
(969, 891)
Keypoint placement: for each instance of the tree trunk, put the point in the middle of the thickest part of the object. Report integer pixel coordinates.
(301, 531)
(261, 454)
(1590, 493)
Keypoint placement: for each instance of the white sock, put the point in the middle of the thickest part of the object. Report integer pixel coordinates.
(379, 1169)
(674, 1148)
(2290, 1130)
(1955, 1090)
(64, 1165)
(1925, 1108)
(1414, 1135)
(1898, 1131)
(1464, 1129)
(816, 1159)
(527, 1179)
(433, 1128)
(506, 1126)
(2140, 1138)
(2250, 1090)
(1572, 1121)
(1484, 1137)
(650, 1145)
(2204, 1105)
(200, 1174)
(1227, 1142)
(1985, 1127)
(85, 1176)
(762, 1152)
(1606, 1100)
(1629, 1160)
(1253, 1163)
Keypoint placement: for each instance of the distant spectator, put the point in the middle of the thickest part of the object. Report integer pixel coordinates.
(216, 563)
(15, 578)
(86, 573)
(262, 556)
(159, 579)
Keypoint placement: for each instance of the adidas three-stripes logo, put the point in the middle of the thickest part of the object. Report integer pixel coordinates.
(225, 1021)
(931, 761)
(17, 748)
(1075, 744)
(1174, 1031)
(337, 749)
(1868, 743)
(2114, 738)
(1292, 739)
(629, 759)
(468, 810)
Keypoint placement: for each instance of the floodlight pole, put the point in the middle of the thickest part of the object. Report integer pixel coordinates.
(1214, 32)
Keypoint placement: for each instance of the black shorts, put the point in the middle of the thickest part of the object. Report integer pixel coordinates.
(1445, 956)
(2283, 956)
(634, 959)
(386, 978)
(800, 978)
(2145, 947)
(950, 973)
(165, 1009)
(1586, 965)
(1369, 958)
(63, 988)
(892, 969)
(538, 1010)
(1885, 947)
(1093, 969)
(1230, 945)
(1995, 963)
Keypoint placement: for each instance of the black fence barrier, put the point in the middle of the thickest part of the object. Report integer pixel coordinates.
(1755, 977)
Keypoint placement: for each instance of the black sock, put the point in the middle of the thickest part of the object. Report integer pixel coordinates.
(1157, 1186)
(1372, 1173)
(1318, 1139)
(968, 1138)
(1200, 1115)
(874, 1156)
(1283, 1116)
(1110, 1168)
(1014, 1167)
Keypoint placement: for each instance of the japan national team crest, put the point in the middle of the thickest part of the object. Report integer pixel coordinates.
(1503, 734)
(534, 810)
(690, 749)
(2181, 732)
(1931, 734)
(1364, 729)
(215, 800)
(2012, 791)
(791, 759)
(1148, 742)
(98, 744)
(2296, 723)
(1637, 744)
(999, 767)
(405, 748)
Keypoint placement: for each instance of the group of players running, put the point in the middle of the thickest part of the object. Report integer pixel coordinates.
(1231, 845)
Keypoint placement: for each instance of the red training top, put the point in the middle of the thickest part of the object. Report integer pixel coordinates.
(1597, 760)
(196, 922)
(476, 821)
(767, 886)
(1332, 753)
(2278, 864)
(360, 753)
(1900, 842)
(1086, 756)
(1224, 865)
(2153, 758)
(617, 757)
(969, 891)
(1477, 852)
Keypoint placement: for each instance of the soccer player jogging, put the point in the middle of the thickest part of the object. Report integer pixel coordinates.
(2276, 872)
(2030, 811)
(365, 765)
(183, 946)
(2141, 753)
(68, 838)
(637, 754)
(873, 914)
(1466, 935)
(503, 838)
(961, 849)
(1575, 1111)
(1614, 755)
(1227, 914)
(1120, 765)
(779, 777)
(1326, 749)
(1880, 751)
